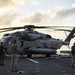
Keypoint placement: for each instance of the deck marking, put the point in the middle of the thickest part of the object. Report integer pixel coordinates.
(33, 60)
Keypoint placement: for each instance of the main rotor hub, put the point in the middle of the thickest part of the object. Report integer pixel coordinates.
(29, 27)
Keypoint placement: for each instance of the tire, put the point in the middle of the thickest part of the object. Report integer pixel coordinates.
(29, 55)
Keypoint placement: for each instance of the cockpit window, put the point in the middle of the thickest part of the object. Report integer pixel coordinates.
(48, 36)
(6, 34)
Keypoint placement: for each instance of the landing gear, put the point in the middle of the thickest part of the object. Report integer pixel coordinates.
(26, 50)
(29, 55)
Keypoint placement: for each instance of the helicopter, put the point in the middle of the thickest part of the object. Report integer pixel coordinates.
(33, 42)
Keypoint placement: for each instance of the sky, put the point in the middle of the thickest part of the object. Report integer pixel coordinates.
(37, 12)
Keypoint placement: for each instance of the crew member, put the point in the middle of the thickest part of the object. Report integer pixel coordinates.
(2, 54)
(14, 56)
(73, 54)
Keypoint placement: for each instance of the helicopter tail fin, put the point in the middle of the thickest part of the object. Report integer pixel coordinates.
(70, 36)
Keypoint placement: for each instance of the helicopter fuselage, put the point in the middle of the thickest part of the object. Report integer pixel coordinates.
(33, 42)
(38, 45)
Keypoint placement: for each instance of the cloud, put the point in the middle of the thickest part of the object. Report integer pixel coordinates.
(37, 18)
(42, 17)
(63, 16)
(12, 3)
(36, 3)
(5, 2)
(9, 11)
(65, 13)
(8, 18)
(73, 5)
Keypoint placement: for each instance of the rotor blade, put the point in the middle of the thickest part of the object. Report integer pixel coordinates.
(60, 26)
(26, 26)
(14, 28)
(62, 30)
(6, 30)
(11, 28)
(48, 27)
(33, 26)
